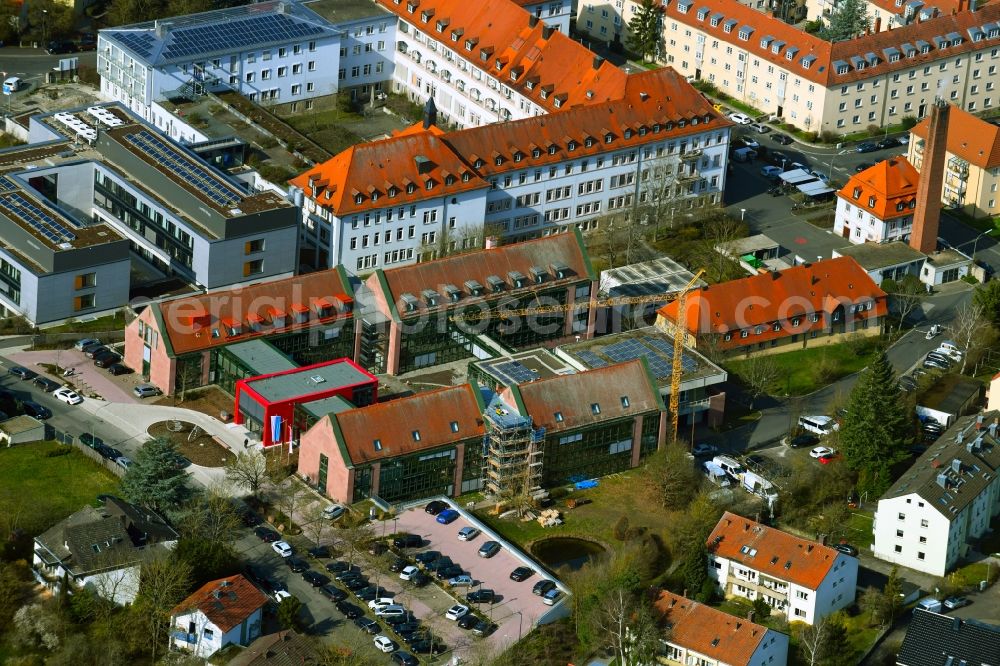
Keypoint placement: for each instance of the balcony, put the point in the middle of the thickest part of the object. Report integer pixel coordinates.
(688, 176)
(691, 154)
(184, 636)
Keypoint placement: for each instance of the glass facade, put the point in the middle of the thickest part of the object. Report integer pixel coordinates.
(10, 281)
(650, 433)
(472, 467)
(587, 453)
(317, 344)
(420, 475)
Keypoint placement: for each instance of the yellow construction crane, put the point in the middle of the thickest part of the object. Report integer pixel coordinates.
(593, 303)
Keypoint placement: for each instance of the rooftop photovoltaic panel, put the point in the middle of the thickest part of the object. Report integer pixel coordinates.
(139, 42)
(667, 348)
(39, 219)
(591, 359)
(6, 185)
(515, 372)
(236, 34)
(185, 168)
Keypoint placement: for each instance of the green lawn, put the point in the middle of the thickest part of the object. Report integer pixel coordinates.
(45, 490)
(990, 224)
(112, 322)
(858, 529)
(806, 370)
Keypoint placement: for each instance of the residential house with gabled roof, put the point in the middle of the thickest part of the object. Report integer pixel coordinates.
(102, 549)
(933, 639)
(230, 334)
(555, 13)
(404, 449)
(802, 579)
(700, 634)
(220, 612)
(803, 306)
(581, 426)
(930, 517)
(423, 194)
(413, 322)
(876, 205)
(972, 159)
(877, 78)
(282, 648)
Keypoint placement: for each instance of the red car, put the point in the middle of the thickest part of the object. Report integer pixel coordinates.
(828, 458)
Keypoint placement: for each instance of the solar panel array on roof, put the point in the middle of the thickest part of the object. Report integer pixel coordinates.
(185, 168)
(591, 359)
(6, 184)
(628, 350)
(141, 43)
(38, 218)
(667, 348)
(515, 372)
(237, 34)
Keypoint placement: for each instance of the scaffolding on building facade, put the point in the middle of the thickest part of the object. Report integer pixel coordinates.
(512, 454)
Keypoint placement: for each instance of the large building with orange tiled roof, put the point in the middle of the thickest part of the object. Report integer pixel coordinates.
(700, 634)
(875, 79)
(803, 306)
(802, 579)
(422, 194)
(876, 205)
(972, 161)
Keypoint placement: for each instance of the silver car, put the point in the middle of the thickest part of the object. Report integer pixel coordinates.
(145, 391)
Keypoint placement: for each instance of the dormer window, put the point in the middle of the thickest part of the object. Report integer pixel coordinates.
(702, 13)
(518, 156)
(545, 93)
(642, 131)
(728, 26)
(393, 192)
(499, 64)
(744, 34)
(588, 142)
(609, 137)
(374, 196)
(558, 102)
(789, 55)
(410, 188)
(358, 198)
(571, 146)
(871, 202)
(625, 402)
(857, 192)
(470, 44)
(478, 164)
(411, 7)
(776, 48)
(449, 180)
(714, 21)
(536, 153)
(466, 176)
(552, 149)
(499, 160)
(426, 16)
(377, 444)
(454, 426)
(429, 184)
(628, 134)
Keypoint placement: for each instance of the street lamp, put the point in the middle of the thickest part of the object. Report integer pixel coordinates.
(829, 173)
(743, 214)
(520, 619)
(975, 244)
(45, 28)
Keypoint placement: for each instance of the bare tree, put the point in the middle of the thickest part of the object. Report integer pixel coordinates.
(291, 494)
(353, 536)
(968, 327)
(663, 182)
(163, 583)
(812, 640)
(628, 628)
(718, 232)
(757, 372)
(248, 469)
(316, 526)
(907, 293)
(212, 517)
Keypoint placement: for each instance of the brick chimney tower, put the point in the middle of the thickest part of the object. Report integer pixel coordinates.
(928, 213)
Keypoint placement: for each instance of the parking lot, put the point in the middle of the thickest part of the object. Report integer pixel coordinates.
(518, 610)
(86, 378)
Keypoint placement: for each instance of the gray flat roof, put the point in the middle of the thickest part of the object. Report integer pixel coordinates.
(262, 357)
(872, 256)
(659, 276)
(332, 405)
(341, 11)
(750, 244)
(651, 342)
(525, 366)
(307, 381)
(948, 257)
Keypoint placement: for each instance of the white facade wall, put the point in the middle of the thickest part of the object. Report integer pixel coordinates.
(837, 590)
(119, 585)
(464, 94)
(555, 13)
(868, 228)
(367, 55)
(208, 639)
(911, 533)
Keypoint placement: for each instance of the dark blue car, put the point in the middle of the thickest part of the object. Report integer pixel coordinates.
(447, 516)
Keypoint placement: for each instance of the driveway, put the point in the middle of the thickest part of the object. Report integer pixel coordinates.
(87, 377)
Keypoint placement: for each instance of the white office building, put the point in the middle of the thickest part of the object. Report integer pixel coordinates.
(929, 518)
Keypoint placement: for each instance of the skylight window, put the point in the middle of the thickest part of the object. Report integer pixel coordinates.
(454, 426)
(378, 444)
(559, 417)
(625, 402)
(416, 435)
(595, 408)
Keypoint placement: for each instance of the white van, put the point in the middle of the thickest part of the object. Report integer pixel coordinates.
(731, 467)
(950, 349)
(12, 84)
(716, 474)
(930, 604)
(821, 425)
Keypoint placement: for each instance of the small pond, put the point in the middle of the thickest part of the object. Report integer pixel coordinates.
(556, 552)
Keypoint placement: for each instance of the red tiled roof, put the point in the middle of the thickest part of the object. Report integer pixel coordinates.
(393, 424)
(501, 33)
(621, 390)
(970, 138)
(945, 6)
(825, 54)
(190, 322)
(892, 183)
(708, 631)
(388, 172)
(772, 552)
(225, 602)
(762, 300)
(564, 251)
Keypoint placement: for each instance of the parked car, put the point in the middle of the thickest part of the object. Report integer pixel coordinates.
(355, 584)
(109, 452)
(145, 391)
(449, 572)
(435, 507)
(740, 118)
(951, 603)
(385, 644)
(456, 611)
(489, 549)
(749, 142)
(867, 147)
(935, 364)
(87, 439)
(770, 171)
(484, 628)
(58, 47)
(368, 625)
(427, 557)
(22, 372)
(266, 534)
(333, 593)
(390, 610)
(46, 384)
(783, 139)
(349, 610)
(468, 533)
(319, 552)
(35, 410)
(467, 621)
(366, 594)
(703, 449)
(888, 142)
(408, 572)
(420, 579)
(938, 356)
(483, 595)
(403, 658)
(820, 451)
(846, 549)
(463, 580)
(338, 566)
(760, 128)
(447, 516)
(94, 352)
(296, 564)
(377, 548)
(828, 458)
(94, 344)
(542, 586)
(907, 384)
(282, 548)
(551, 597)
(67, 395)
(79, 345)
(398, 565)
(379, 603)
(106, 360)
(123, 461)
(432, 647)
(118, 369)
(408, 541)
(315, 578)
(521, 573)
(333, 512)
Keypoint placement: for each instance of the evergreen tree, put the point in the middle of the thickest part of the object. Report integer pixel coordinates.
(154, 479)
(878, 426)
(987, 297)
(644, 29)
(847, 20)
(695, 570)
